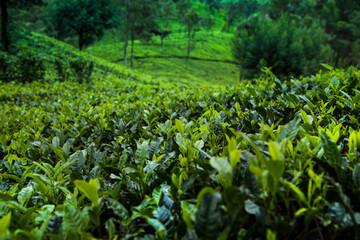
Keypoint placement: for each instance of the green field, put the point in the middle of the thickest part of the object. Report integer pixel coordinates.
(174, 148)
(211, 61)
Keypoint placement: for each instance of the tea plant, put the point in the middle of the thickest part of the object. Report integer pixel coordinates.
(125, 159)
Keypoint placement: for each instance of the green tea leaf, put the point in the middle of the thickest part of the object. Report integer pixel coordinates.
(356, 175)
(332, 152)
(328, 67)
(72, 220)
(56, 142)
(224, 168)
(142, 153)
(274, 151)
(165, 217)
(5, 223)
(208, 217)
(298, 192)
(292, 128)
(179, 126)
(89, 189)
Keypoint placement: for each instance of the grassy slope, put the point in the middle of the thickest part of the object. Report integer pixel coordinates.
(211, 50)
(212, 61)
(52, 49)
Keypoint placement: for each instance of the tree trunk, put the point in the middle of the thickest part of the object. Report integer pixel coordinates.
(162, 43)
(132, 52)
(4, 25)
(127, 32)
(228, 23)
(262, 11)
(240, 74)
(80, 42)
(189, 43)
(162, 37)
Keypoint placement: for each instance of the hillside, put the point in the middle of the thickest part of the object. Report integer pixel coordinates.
(211, 61)
(123, 156)
(51, 51)
(175, 148)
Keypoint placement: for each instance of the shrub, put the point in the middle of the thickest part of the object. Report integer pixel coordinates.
(7, 69)
(23, 67)
(62, 69)
(31, 66)
(285, 45)
(82, 69)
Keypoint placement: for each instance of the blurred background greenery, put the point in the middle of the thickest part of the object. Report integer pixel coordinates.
(210, 41)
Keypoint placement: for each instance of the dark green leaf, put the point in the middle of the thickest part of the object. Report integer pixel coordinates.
(208, 217)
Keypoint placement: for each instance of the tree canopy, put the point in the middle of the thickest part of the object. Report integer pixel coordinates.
(87, 19)
(5, 4)
(283, 45)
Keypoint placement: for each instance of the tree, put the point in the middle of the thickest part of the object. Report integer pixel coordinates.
(213, 4)
(182, 8)
(339, 18)
(208, 23)
(341, 21)
(277, 8)
(190, 20)
(166, 10)
(127, 31)
(240, 9)
(290, 49)
(5, 5)
(140, 23)
(87, 19)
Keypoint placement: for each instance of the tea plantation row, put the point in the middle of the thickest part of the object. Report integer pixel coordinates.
(121, 159)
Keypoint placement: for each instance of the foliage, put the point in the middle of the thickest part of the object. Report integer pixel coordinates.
(165, 12)
(278, 8)
(7, 67)
(208, 23)
(142, 19)
(339, 19)
(191, 20)
(182, 7)
(4, 6)
(140, 22)
(240, 9)
(283, 45)
(49, 59)
(211, 61)
(82, 69)
(31, 66)
(24, 67)
(124, 157)
(85, 19)
(213, 4)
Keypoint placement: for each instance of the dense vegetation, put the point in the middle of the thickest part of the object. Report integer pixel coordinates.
(317, 32)
(181, 149)
(118, 157)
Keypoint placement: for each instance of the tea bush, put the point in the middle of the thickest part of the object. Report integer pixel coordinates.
(82, 69)
(30, 66)
(62, 69)
(23, 67)
(7, 67)
(37, 57)
(125, 159)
